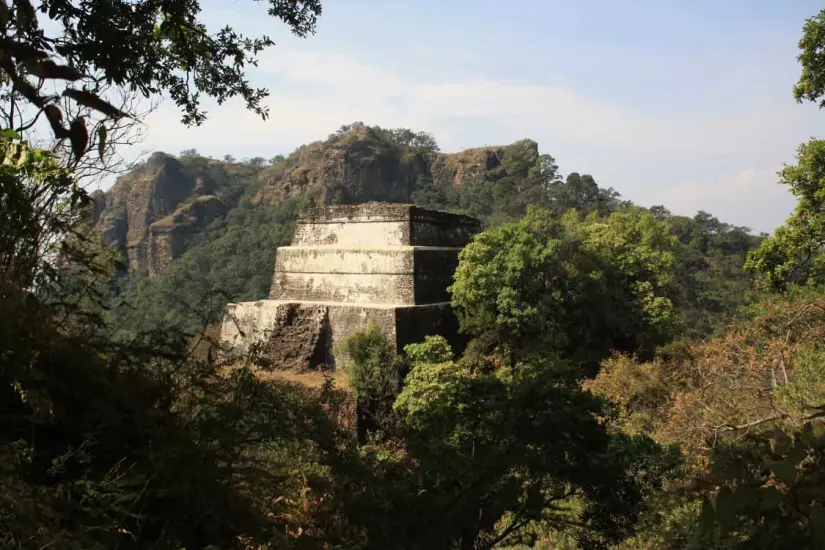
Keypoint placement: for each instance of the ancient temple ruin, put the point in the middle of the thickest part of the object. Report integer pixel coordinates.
(347, 266)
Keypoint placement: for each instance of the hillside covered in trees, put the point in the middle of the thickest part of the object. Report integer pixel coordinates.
(633, 379)
(189, 227)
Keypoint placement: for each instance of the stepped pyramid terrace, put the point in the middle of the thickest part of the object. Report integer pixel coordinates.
(349, 265)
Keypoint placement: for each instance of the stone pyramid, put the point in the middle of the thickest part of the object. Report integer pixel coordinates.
(347, 266)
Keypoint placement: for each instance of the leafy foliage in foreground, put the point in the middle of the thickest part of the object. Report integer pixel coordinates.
(464, 458)
(723, 402)
(131, 443)
(150, 46)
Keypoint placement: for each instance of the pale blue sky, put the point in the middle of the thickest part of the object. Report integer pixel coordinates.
(686, 104)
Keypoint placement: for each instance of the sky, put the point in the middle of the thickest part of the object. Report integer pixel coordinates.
(684, 104)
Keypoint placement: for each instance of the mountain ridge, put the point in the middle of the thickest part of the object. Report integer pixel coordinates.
(152, 213)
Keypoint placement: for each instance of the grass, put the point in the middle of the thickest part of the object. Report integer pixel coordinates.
(312, 379)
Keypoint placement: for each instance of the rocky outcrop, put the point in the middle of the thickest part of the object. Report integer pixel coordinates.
(149, 213)
(359, 166)
(472, 166)
(362, 166)
(169, 236)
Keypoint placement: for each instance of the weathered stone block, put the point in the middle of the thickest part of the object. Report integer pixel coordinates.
(367, 288)
(299, 337)
(339, 259)
(382, 224)
(388, 275)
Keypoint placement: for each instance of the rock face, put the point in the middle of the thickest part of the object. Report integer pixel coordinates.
(167, 237)
(471, 166)
(359, 166)
(149, 213)
(348, 266)
(363, 166)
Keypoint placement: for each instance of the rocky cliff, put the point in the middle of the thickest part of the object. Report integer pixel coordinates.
(366, 164)
(152, 213)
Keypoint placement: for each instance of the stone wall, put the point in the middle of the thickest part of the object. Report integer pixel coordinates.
(433, 228)
(433, 270)
(325, 259)
(347, 288)
(364, 212)
(386, 275)
(413, 324)
(344, 320)
(374, 253)
(355, 233)
(246, 323)
(299, 336)
(382, 224)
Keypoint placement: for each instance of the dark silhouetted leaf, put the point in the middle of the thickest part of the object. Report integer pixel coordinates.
(21, 51)
(88, 99)
(101, 140)
(55, 118)
(5, 14)
(26, 16)
(51, 70)
(79, 137)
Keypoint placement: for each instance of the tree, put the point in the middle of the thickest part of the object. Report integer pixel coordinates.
(746, 409)
(749, 402)
(106, 135)
(153, 47)
(580, 286)
(659, 212)
(793, 253)
(40, 204)
(478, 469)
(105, 439)
(522, 177)
(811, 84)
(766, 492)
(429, 195)
(346, 129)
(711, 284)
(583, 194)
(418, 141)
(373, 372)
(433, 350)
